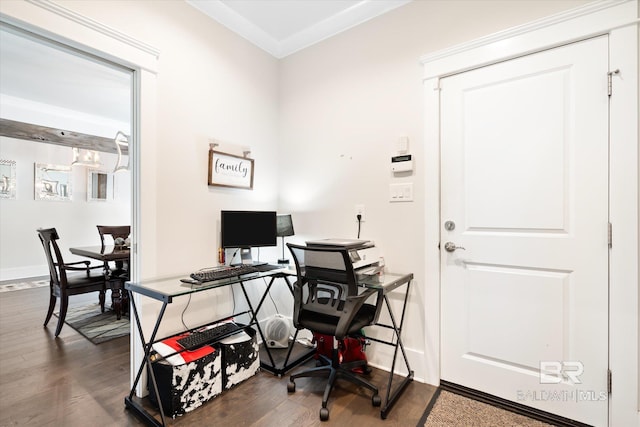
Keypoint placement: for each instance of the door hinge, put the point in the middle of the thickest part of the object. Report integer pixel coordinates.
(609, 381)
(610, 75)
(610, 235)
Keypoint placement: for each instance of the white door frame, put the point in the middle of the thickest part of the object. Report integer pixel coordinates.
(68, 27)
(618, 19)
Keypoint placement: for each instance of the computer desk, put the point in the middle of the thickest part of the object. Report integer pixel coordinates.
(167, 288)
(385, 284)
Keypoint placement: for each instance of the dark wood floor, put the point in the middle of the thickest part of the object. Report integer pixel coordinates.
(70, 382)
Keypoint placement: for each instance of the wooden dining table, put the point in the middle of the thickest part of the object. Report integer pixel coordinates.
(121, 256)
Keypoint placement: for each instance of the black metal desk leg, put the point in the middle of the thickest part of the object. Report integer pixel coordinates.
(392, 396)
(271, 364)
(254, 320)
(128, 401)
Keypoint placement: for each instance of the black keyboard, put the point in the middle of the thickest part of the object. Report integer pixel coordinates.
(208, 336)
(224, 273)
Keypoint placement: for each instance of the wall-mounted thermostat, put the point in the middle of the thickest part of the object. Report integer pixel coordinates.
(402, 163)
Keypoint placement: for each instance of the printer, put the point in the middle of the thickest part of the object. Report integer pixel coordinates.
(363, 253)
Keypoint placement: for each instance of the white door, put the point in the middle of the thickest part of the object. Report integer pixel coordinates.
(524, 170)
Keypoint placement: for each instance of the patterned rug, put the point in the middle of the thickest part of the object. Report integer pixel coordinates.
(17, 286)
(96, 326)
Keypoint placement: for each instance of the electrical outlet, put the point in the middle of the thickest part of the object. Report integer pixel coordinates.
(360, 211)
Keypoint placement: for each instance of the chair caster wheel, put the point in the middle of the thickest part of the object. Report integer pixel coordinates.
(324, 414)
(291, 387)
(376, 400)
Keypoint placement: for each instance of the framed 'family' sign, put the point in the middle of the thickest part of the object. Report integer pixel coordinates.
(227, 170)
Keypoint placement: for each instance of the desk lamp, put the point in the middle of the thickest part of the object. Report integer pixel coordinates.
(284, 228)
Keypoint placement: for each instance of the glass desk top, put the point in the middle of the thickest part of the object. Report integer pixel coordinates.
(165, 288)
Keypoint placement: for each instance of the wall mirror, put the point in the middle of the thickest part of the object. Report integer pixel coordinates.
(99, 186)
(7, 179)
(52, 182)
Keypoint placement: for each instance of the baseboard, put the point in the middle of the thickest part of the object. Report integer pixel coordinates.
(508, 405)
(382, 356)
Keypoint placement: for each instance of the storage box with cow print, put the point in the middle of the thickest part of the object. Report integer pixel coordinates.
(240, 358)
(188, 379)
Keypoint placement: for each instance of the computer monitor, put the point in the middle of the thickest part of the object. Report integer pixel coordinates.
(248, 229)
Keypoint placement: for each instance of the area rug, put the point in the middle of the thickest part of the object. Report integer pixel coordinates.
(18, 286)
(96, 326)
(450, 409)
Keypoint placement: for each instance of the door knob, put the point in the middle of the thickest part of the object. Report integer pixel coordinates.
(450, 247)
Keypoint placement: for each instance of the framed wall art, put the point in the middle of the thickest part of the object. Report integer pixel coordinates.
(99, 185)
(228, 170)
(52, 182)
(7, 179)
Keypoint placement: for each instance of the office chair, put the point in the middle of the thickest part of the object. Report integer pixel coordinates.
(62, 284)
(328, 301)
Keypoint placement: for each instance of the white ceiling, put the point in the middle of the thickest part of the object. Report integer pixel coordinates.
(282, 27)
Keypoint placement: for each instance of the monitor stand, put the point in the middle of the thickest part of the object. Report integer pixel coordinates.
(245, 256)
(247, 259)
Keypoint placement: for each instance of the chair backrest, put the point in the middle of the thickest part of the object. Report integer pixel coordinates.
(48, 237)
(325, 264)
(115, 231)
(325, 281)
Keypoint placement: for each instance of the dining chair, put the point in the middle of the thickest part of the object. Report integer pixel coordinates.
(118, 273)
(68, 279)
(328, 301)
(115, 231)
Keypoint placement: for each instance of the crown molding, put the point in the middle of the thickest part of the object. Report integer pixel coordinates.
(95, 25)
(348, 18)
(60, 24)
(540, 24)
